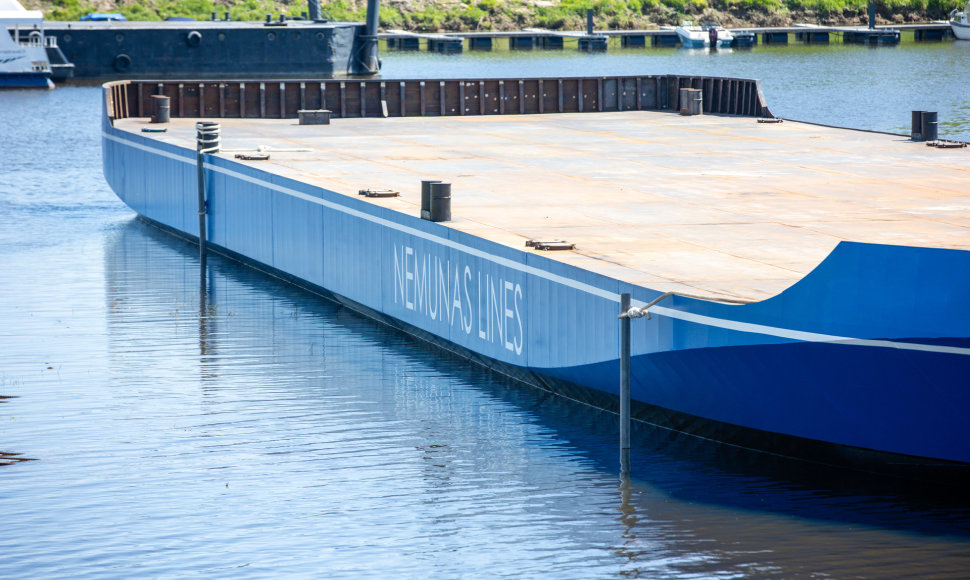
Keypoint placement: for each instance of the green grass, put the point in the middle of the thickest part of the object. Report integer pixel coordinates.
(434, 15)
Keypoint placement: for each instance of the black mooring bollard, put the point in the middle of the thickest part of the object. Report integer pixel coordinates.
(916, 133)
(161, 108)
(426, 197)
(440, 202)
(929, 126)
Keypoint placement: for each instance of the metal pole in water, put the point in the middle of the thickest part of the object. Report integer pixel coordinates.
(589, 21)
(201, 173)
(200, 170)
(626, 313)
(624, 383)
(207, 141)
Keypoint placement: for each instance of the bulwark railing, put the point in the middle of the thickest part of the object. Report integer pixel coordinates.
(450, 97)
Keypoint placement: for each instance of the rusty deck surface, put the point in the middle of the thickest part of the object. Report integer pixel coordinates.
(719, 207)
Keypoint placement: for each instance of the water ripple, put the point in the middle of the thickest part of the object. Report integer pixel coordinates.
(260, 431)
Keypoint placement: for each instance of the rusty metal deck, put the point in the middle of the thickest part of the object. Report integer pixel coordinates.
(713, 206)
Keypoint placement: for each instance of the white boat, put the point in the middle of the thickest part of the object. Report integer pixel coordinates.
(692, 36)
(723, 36)
(23, 48)
(960, 23)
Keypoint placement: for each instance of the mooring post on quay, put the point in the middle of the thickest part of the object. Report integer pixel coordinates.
(206, 141)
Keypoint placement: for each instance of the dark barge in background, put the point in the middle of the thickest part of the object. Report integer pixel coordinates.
(219, 49)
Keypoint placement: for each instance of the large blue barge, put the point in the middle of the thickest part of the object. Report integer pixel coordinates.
(853, 353)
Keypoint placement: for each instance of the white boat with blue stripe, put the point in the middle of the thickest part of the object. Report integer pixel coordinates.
(960, 24)
(23, 48)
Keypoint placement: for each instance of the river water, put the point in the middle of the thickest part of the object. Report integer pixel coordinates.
(846, 85)
(148, 429)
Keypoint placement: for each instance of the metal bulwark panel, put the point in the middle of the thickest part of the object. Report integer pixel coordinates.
(566, 321)
(611, 95)
(352, 255)
(263, 99)
(297, 236)
(248, 220)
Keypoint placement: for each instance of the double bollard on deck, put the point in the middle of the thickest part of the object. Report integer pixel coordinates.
(691, 102)
(435, 200)
(925, 126)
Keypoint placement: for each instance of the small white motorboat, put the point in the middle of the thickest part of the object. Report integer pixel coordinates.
(23, 48)
(719, 36)
(960, 23)
(692, 36)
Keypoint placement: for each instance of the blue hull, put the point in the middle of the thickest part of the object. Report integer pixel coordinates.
(26, 81)
(869, 352)
(690, 43)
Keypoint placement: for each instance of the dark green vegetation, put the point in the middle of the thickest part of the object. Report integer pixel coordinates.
(444, 15)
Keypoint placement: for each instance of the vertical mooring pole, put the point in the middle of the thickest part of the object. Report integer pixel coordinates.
(872, 15)
(624, 383)
(589, 21)
(369, 50)
(202, 211)
(314, 10)
(206, 141)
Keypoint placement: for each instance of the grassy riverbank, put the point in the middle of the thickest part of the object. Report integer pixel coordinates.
(453, 15)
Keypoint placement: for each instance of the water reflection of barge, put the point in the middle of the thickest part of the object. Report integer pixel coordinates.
(793, 340)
